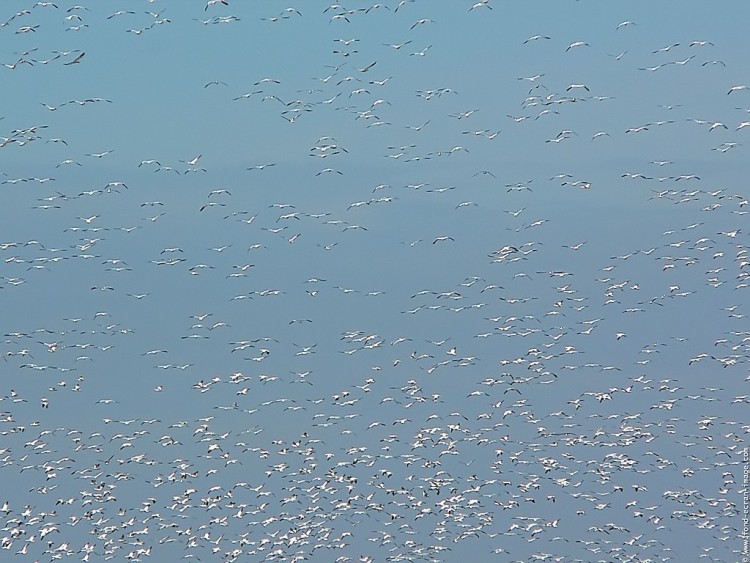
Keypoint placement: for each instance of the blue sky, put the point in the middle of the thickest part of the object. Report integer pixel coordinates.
(370, 287)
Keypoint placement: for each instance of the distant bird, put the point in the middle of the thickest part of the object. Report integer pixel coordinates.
(667, 48)
(214, 2)
(76, 60)
(421, 22)
(577, 44)
(192, 162)
(481, 4)
(100, 154)
(120, 13)
(397, 46)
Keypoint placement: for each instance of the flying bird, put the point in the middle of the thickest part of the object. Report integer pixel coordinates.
(76, 60)
(577, 44)
(421, 22)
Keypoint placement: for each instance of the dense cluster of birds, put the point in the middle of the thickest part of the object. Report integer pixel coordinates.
(417, 320)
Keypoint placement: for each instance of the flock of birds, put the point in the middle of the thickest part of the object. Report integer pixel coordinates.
(416, 320)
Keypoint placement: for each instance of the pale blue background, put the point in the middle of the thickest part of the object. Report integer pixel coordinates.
(160, 102)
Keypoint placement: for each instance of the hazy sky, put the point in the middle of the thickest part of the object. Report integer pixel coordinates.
(418, 280)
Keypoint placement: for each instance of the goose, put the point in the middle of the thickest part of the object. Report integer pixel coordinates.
(421, 22)
(576, 44)
(442, 238)
(536, 38)
(192, 162)
(214, 2)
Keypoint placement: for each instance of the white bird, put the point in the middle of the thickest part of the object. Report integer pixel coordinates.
(77, 60)
(577, 44)
(421, 22)
(536, 38)
(214, 2)
(442, 239)
(667, 48)
(625, 24)
(481, 4)
(100, 154)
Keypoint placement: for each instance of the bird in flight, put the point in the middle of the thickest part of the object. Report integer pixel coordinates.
(193, 162)
(77, 60)
(577, 44)
(422, 22)
(442, 239)
(100, 154)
